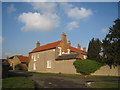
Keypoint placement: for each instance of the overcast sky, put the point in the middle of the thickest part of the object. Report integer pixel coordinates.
(24, 23)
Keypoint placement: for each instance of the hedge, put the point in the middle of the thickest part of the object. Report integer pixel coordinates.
(86, 67)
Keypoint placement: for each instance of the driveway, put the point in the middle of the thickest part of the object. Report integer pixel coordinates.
(52, 81)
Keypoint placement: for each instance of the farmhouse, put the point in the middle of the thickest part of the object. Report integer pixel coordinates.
(55, 57)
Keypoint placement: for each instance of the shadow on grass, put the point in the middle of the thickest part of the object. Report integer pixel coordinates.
(19, 74)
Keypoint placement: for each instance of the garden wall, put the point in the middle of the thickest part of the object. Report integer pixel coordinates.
(105, 70)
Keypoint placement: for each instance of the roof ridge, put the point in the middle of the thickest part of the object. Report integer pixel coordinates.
(49, 43)
(46, 46)
(78, 49)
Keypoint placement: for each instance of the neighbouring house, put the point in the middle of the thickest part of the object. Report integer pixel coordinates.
(55, 57)
(18, 62)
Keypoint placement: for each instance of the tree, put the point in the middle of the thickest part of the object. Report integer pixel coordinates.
(94, 50)
(86, 67)
(111, 45)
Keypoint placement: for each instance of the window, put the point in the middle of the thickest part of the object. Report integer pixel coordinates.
(32, 56)
(34, 66)
(68, 51)
(59, 51)
(35, 56)
(48, 64)
(84, 56)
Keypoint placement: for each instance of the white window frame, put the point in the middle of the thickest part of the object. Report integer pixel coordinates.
(32, 57)
(49, 64)
(60, 52)
(63, 52)
(34, 66)
(68, 51)
(84, 56)
(35, 57)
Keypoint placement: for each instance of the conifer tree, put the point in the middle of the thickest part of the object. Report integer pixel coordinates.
(94, 50)
(111, 45)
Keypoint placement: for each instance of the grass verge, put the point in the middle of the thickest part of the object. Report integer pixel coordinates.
(75, 75)
(105, 85)
(17, 82)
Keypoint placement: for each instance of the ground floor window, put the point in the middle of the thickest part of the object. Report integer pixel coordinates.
(49, 64)
(34, 66)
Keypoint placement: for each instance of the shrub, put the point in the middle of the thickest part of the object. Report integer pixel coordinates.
(85, 67)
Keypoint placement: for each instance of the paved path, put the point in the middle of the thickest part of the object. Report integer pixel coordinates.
(51, 81)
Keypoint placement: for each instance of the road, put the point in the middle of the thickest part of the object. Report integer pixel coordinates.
(52, 81)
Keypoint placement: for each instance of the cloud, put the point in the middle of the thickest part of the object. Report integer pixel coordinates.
(8, 54)
(39, 22)
(79, 13)
(66, 6)
(11, 8)
(1, 39)
(44, 6)
(72, 25)
(104, 30)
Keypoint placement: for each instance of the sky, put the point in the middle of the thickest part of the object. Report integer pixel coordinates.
(25, 23)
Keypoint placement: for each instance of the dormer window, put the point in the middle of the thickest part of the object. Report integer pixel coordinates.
(68, 51)
(59, 51)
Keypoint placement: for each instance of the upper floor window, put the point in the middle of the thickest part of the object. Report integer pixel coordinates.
(37, 55)
(59, 51)
(32, 56)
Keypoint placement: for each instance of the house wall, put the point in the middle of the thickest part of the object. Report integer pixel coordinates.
(63, 66)
(16, 60)
(13, 62)
(105, 70)
(41, 62)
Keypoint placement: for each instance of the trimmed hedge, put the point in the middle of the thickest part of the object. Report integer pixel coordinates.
(86, 67)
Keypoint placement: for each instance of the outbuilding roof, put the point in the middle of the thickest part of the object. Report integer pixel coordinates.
(23, 59)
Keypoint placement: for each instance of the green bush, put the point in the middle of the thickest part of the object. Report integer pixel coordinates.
(85, 67)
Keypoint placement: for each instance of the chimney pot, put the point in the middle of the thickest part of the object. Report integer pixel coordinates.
(79, 47)
(69, 43)
(84, 49)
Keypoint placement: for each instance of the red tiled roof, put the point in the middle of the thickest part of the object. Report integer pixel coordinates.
(73, 49)
(46, 46)
(23, 59)
(53, 45)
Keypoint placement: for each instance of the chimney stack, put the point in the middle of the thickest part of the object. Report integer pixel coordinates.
(79, 47)
(64, 42)
(84, 49)
(37, 44)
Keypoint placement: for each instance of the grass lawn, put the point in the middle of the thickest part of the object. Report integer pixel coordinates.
(105, 85)
(74, 75)
(17, 82)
